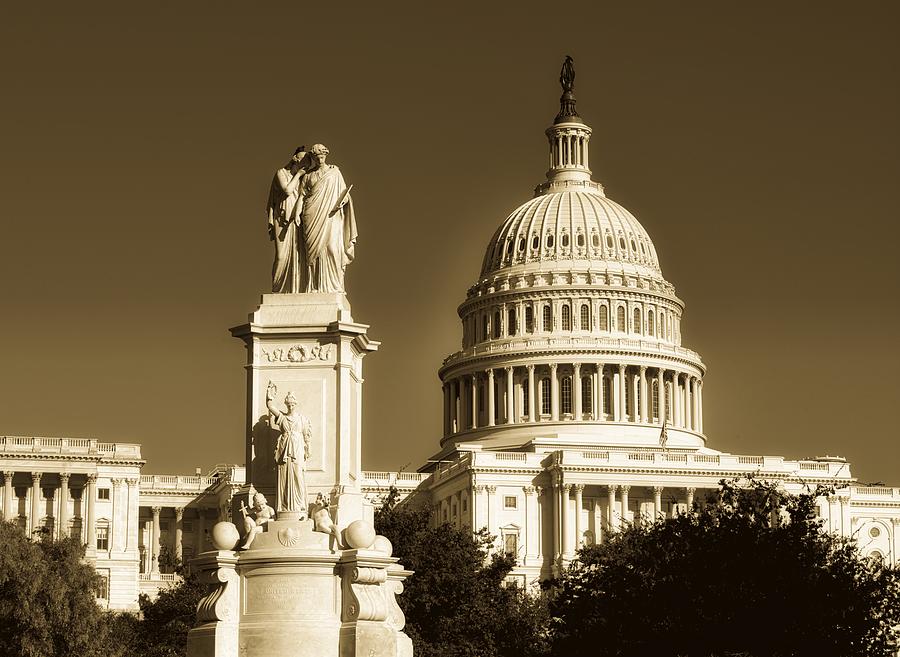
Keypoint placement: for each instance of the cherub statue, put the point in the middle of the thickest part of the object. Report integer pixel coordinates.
(323, 521)
(254, 518)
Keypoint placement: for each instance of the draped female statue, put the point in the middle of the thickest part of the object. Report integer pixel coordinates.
(329, 224)
(283, 214)
(291, 451)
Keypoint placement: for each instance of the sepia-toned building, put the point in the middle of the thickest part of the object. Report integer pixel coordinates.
(574, 406)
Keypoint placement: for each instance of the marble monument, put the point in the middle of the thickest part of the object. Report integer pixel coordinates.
(308, 577)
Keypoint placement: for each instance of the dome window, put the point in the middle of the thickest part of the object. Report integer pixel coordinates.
(529, 319)
(549, 240)
(566, 318)
(564, 240)
(650, 323)
(497, 328)
(547, 323)
(595, 240)
(604, 318)
(622, 243)
(643, 251)
(521, 244)
(633, 245)
(579, 240)
(587, 396)
(545, 396)
(566, 396)
(484, 327)
(637, 320)
(585, 317)
(535, 242)
(620, 319)
(511, 325)
(609, 242)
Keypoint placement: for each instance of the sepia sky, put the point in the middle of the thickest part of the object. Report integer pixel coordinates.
(757, 144)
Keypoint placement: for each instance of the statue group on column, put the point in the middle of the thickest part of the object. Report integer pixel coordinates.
(311, 220)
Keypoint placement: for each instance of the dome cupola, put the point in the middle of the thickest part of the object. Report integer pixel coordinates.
(571, 333)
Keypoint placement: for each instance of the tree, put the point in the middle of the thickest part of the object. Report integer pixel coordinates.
(456, 603)
(163, 628)
(48, 603)
(751, 573)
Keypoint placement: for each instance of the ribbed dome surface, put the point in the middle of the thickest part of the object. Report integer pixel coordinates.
(570, 225)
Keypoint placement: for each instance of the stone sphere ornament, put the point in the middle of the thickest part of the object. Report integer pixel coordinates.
(224, 536)
(359, 535)
(383, 545)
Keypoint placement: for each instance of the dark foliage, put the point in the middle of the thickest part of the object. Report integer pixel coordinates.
(456, 604)
(750, 574)
(48, 602)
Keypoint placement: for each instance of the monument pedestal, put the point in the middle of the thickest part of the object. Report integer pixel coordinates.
(298, 590)
(290, 595)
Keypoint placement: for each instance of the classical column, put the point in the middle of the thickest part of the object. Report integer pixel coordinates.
(657, 501)
(473, 402)
(661, 391)
(846, 525)
(446, 390)
(489, 498)
(510, 398)
(623, 411)
(201, 531)
(8, 494)
(490, 397)
(114, 524)
(564, 521)
(598, 393)
(154, 541)
(539, 542)
(576, 392)
(676, 399)
(688, 415)
(625, 490)
(91, 491)
(556, 509)
(473, 502)
(699, 393)
(689, 499)
(131, 528)
(35, 515)
(579, 500)
(611, 509)
(179, 536)
(529, 523)
(531, 400)
(695, 406)
(63, 520)
(554, 393)
(644, 394)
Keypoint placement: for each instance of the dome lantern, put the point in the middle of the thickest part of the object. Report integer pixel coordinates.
(568, 137)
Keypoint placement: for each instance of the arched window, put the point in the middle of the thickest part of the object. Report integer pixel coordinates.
(636, 327)
(497, 327)
(546, 318)
(620, 319)
(606, 384)
(566, 394)
(650, 323)
(604, 318)
(545, 396)
(511, 327)
(654, 399)
(564, 240)
(535, 242)
(587, 395)
(529, 319)
(566, 318)
(585, 317)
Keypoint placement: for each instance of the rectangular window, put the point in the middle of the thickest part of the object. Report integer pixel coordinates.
(525, 401)
(567, 395)
(102, 591)
(510, 502)
(529, 319)
(102, 493)
(545, 396)
(102, 538)
(465, 504)
(511, 544)
(587, 395)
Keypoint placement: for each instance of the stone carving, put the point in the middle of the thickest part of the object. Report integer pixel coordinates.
(288, 536)
(283, 215)
(364, 598)
(322, 520)
(291, 451)
(312, 222)
(300, 353)
(221, 602)
(256, 517)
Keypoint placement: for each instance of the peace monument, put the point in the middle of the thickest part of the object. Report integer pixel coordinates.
(305, 574)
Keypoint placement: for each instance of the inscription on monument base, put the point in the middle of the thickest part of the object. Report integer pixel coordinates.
(297, 595)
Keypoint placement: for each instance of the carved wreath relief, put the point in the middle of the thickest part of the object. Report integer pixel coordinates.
(298, 353)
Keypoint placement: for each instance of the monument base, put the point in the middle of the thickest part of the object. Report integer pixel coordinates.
(295, 593)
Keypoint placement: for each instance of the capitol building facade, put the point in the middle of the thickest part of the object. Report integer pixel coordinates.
(572, 409)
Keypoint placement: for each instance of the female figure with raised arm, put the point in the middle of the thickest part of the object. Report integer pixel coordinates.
(291, 451)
